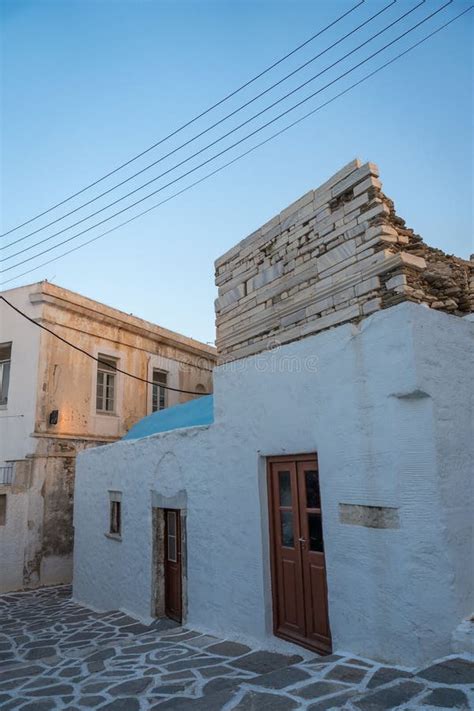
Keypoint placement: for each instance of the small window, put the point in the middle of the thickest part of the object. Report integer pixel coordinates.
(3, 509)
(5, 361)
(159, 399)
(115, 526)
(106, 384)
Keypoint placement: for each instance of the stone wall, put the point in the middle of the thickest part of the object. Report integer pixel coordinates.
(337, 254)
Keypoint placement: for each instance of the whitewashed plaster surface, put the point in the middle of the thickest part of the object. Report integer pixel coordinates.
(18, 416)
(387, 404)
(17, 422)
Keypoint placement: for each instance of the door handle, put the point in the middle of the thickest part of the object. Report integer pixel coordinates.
(302, 541)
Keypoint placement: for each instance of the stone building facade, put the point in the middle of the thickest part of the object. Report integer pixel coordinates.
(337, 254)
(328, 500)
(57, 402)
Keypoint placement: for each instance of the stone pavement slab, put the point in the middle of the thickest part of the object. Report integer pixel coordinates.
(449, 671)
(58, 655)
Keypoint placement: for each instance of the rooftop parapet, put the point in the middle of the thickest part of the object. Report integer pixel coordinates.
(337, 254)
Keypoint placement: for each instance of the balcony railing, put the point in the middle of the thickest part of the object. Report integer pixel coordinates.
(6, 474)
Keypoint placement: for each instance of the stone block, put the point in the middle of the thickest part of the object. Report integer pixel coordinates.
(346, 171)
(370, 182)
(380, 209)
(231, 296)
(303, 201)
(397, 280)
(344, 295)
(330, 220)
(378, 230)
(265, 276)
(299, 216)
(450, 671)
(292, 318)
(357, 202)
(366, 170)
(322, 213)
(319, 306)
(262, 662)
(273, 223)
(339, 316)
(336, 255)
(412, 261)
(367, 285)
(370, 306)
(355, 231)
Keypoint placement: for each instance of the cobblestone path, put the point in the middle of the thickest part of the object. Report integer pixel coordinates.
(55, 654)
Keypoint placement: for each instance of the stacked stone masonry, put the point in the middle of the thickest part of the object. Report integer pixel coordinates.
(337, 254)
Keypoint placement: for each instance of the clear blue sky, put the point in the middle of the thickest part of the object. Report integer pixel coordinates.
(88, 83)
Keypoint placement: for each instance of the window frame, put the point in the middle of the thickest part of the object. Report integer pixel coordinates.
(159, 394)
(109, 380)
(5, 374)
(3, 509)
(115, 515)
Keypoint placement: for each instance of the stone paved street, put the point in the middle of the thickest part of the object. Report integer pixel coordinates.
(55, 654)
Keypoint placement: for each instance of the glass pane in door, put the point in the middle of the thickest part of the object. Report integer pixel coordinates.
(313, 499)
(315, 532)
(284, 482)
(171, 536)
(287, 537)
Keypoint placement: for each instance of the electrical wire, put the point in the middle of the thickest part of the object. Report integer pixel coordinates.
(98, 360)
(284, 113)
(191, 121)
(198, 135)
(242, 155)
(201, 150)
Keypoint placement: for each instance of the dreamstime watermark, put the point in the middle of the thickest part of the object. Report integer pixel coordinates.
(271, 359)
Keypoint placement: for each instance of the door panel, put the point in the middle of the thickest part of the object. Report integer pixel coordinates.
(288, 572)
(312, 549)
(173, 584)
(298, 564)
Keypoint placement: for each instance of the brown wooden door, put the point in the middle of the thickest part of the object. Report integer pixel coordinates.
(298, 565)
(173, 579)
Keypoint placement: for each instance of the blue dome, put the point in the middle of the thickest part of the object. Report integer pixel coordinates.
(191, 414)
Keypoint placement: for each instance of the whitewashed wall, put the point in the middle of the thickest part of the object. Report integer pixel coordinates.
(17, 422)
(17, 419)
(386, 404)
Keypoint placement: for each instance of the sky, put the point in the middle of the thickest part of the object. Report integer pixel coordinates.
(88, 84)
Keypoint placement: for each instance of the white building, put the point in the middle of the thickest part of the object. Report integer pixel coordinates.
(325, 496)
(55, 401)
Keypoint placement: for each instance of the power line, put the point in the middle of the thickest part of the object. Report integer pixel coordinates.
(205, 148)
(89, 355)
(242, 155)
(192, 170)
(199, 135)
(191, 121)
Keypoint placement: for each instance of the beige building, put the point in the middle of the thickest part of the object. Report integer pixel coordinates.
(56, 401)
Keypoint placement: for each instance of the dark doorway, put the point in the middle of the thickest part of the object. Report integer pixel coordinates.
(300, 599)
(173, 572)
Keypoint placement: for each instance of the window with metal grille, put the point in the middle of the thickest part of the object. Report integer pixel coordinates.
(159, 399)
(5, 361)
(106, 384)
